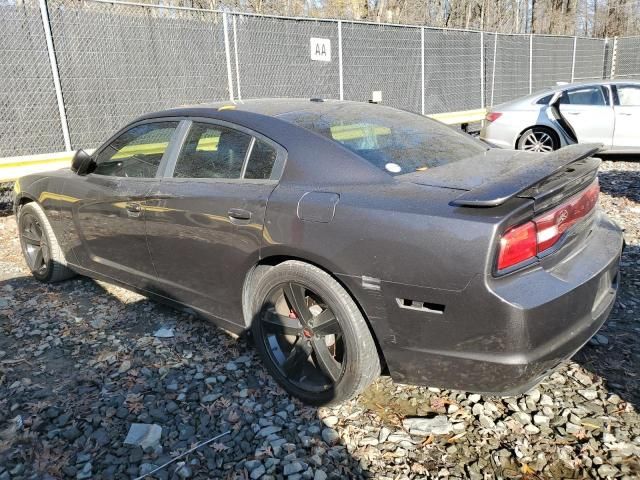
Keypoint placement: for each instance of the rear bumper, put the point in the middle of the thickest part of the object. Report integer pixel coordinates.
(501, 336)
(517, 371)
(502, 136)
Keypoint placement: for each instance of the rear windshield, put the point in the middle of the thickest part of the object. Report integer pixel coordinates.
(395, 141)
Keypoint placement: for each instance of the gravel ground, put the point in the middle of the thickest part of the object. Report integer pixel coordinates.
(80, 365)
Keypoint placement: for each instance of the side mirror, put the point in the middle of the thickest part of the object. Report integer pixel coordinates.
(82, 163)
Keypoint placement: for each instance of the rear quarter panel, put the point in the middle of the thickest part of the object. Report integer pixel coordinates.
(397, 240)
(396, 232)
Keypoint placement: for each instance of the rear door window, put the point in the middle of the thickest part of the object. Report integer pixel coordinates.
(629, 95)
(261, 161)
(584, 96)
(212, 151)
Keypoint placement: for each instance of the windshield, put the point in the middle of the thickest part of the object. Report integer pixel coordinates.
(395, 141)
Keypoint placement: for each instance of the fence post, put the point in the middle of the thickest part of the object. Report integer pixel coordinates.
(227, 51)
(493, 74)
(573, 62)
(614, 56)
(340, 59)
(482, 92)
(235, 51)
(422, 67)
(604, 58)
(530, 64)
(54, 72)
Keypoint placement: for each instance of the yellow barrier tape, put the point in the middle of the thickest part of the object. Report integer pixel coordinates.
(357, 131)
(24, 163)
(208, 144)
(204, 144)
(455, 118)
(143, 149)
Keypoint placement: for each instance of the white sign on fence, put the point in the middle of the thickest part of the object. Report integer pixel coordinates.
(321, 49)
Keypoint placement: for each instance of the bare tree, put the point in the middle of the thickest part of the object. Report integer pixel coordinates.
(598, 18)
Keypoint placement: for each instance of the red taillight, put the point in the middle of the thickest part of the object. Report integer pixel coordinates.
(552, 225)
(524, 242)
(493, 116)
(517, 245)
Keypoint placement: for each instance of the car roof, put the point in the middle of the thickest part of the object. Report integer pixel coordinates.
(614, 81)
(312, 158)
(583, 83)
(535, 96)
(272, 107)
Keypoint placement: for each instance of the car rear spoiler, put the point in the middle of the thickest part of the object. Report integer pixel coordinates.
(516, 181)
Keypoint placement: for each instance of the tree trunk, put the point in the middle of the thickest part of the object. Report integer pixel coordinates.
(533, 17)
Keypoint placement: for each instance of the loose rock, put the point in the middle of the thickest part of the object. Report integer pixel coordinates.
(82, 361)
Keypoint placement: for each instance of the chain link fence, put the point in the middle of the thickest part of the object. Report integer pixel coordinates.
(551, 60)
(627, 57)
(510, 68)
(118, 61)
(29, 118)
(273, 58)
(590, 59)
(72, 72)
(384, 58)
(453, 65)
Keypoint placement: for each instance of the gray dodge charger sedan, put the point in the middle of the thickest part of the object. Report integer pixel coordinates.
(349, 239)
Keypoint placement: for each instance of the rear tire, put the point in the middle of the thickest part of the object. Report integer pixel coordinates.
(40, 247)
(538, 139)
(311, 335)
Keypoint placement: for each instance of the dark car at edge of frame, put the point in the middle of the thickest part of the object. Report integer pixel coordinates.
(349, 239)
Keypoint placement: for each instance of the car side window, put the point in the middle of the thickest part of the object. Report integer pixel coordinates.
(137, 152)
(212, 151)
(629, 95)
(584, 96)
(260, 164)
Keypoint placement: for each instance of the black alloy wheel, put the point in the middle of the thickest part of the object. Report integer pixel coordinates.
(310, 333)
(303, 337)
(35, 246)
(40, 246)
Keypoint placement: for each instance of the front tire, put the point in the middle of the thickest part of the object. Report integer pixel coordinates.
(40, 247)
(538, 139)
(311, 334)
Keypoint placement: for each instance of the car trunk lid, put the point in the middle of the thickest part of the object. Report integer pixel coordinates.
(492, 178)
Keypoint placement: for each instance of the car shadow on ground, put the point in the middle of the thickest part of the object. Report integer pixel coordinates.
(79, 365)
(614, 353)
(619, 157)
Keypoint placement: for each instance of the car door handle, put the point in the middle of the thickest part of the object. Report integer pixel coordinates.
(239, 214)
(573, 113)
(626, 114)
(133, 209)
